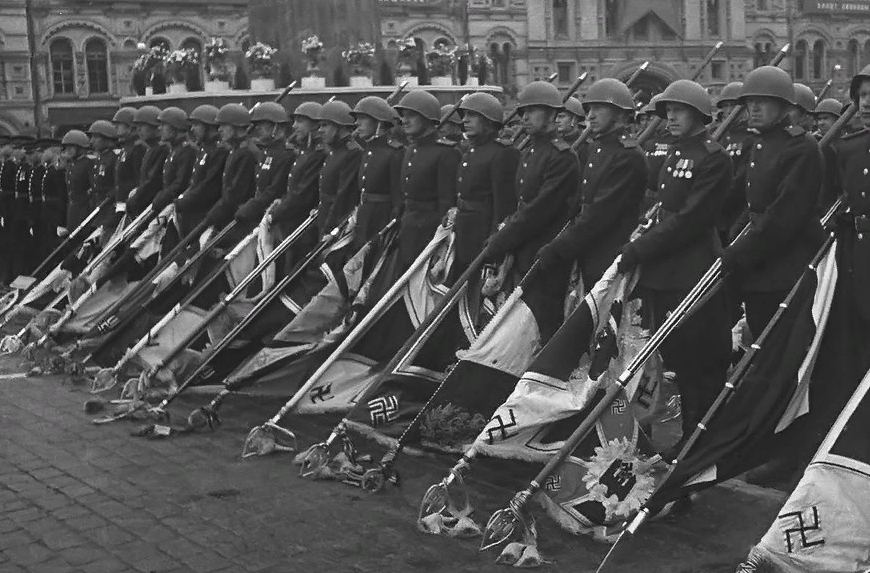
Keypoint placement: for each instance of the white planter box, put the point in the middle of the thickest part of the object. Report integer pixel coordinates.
(412, 81)
(442, 81)
(177, 89)
(217, 86)
(313, 83)
(149, 91)
(360, 82)
(472, 82)
(263, 85)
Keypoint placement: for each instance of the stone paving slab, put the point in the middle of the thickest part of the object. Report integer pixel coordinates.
(75, 497)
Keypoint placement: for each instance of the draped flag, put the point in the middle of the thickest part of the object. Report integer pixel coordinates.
(755, 423)
(824, 526)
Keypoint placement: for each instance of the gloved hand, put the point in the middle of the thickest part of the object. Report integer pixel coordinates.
(245, 214)
(493, 249)
(62, 231)
(628, 259)
(550, 255)
(730, 264)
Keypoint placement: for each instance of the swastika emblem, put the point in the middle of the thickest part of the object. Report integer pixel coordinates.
(384, 409)
(321, 393)
(799, 526)
(618, 406)
(619, 479)
(553, 483)
(502, 427)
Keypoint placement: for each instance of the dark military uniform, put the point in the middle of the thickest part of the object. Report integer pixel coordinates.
(127, 170)
(783, 178)
(53, 207)
(103, 183)
(830, 180)
(238, 184)
(339, 185)
(34, 216)
(674, 255)
(21, 219)
(613, 184)
(486, 196)
(177, 170)
(380, 188)
(8, 171)
(205, 185)
(656, 150)
(150, 177)
(428, 180)
(78, 186)
(547, 178)
(272, 176)
(737, 141)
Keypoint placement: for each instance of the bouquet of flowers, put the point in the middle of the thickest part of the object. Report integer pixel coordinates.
(216, 59)
(150, 60)
(440, 60)
(478, 60)
(259, 57)
(408, 53)
(180, 62)
(360, 58)
(312, 48)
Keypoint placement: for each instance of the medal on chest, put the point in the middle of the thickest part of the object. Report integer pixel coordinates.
(203, 158)
(267, 163)
(102, 171)
(683, 169)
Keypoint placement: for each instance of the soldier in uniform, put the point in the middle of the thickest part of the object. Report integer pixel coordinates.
(737, 142)
(547, 179)
(801, 112)
(270, 123)
(613, 184)
(8, 170)
(239, 179)
(681, 247)
(826, 113)
(79, 170)
(339, 184)
(428, 176)
(31, 249)
(205, 182)
(151, 170)
(21, 255)
(449, 124)
(379, 172)
(656, 150)
(103, 141)
(53, 190)
(303, 183)
(569, 121)
(782, 183)
(180, 160)
(486, 194)
(129, 162)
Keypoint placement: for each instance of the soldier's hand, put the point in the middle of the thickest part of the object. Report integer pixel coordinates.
(62, 232)
(730, 264)
(628, 259)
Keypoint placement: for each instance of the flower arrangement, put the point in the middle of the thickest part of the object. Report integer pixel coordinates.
(360, 58)
(153, 58)
(440, 60)
(312, 47)
(408, 52)
(216, 59)
(259, 57)
(180, 62)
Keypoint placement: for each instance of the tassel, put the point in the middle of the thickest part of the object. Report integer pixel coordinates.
(511, 554)
(530, 558)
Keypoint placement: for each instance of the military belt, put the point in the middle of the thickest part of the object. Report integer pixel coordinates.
(413, 205)
(376, 198)
(473, 206)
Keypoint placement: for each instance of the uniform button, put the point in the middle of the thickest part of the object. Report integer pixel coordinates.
(663, 185)
(752, 164)
(757, 146)
(865, 171)
(369, 153)
(670, 169)
(584, 182)
(415, 150)
(460, 179)
(363, 177)
(598, 150)
(465, 164)
(409, 164)
(677, 153)
(590, 165)
(863, 194)
(522, 181)
(525, 165)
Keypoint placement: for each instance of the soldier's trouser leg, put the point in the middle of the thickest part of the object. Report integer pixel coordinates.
(760, 308)
(698, 351)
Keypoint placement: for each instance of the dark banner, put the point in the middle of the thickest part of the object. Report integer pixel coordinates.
(837, 6)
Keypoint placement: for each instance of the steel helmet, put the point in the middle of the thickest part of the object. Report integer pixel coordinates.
(687, 93)
(831, 106)
(375, 107)
(309, 109)
(575, 107)
(448, 110)
(205, 113)
(103, 128)
(651, 106)
(147, 114)
(485, 104)
(175, 117)
(864, 74)
(767, 81)
(804, 97)
(76, 137)
(125, 115)
(610, 91)
(729, 93)
(269, 111)
(423, 103)
(233, 114)
(337, 112)
(540, 93)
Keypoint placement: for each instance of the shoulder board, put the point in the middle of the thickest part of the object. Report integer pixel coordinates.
(712, 146)
(795, 130)
(502, 142)
(560, 144)
(447, 142)
(353, 145)
(92, 155)
(394, 144)
(858, 133)
(627, 142)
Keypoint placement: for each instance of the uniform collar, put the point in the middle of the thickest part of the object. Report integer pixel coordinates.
(699, 137)
(548, 135)
(614, 134)
(274, 147)
(777, 129)
(430, 137)
(483, 139)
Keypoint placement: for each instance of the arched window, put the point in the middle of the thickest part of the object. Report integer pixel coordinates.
(506, 64)
(441, 43)
(129, 44)
(560, 18)
(852, 58)
(800, 60)
(495, 56)
(62, 79)
(818, 59)
(194, 80)
(160, 42)
(96, 57)
(713, 29)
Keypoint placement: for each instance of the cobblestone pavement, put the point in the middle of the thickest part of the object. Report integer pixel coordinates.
(85, 498)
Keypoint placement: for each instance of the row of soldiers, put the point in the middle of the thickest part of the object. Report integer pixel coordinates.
(556, 199)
